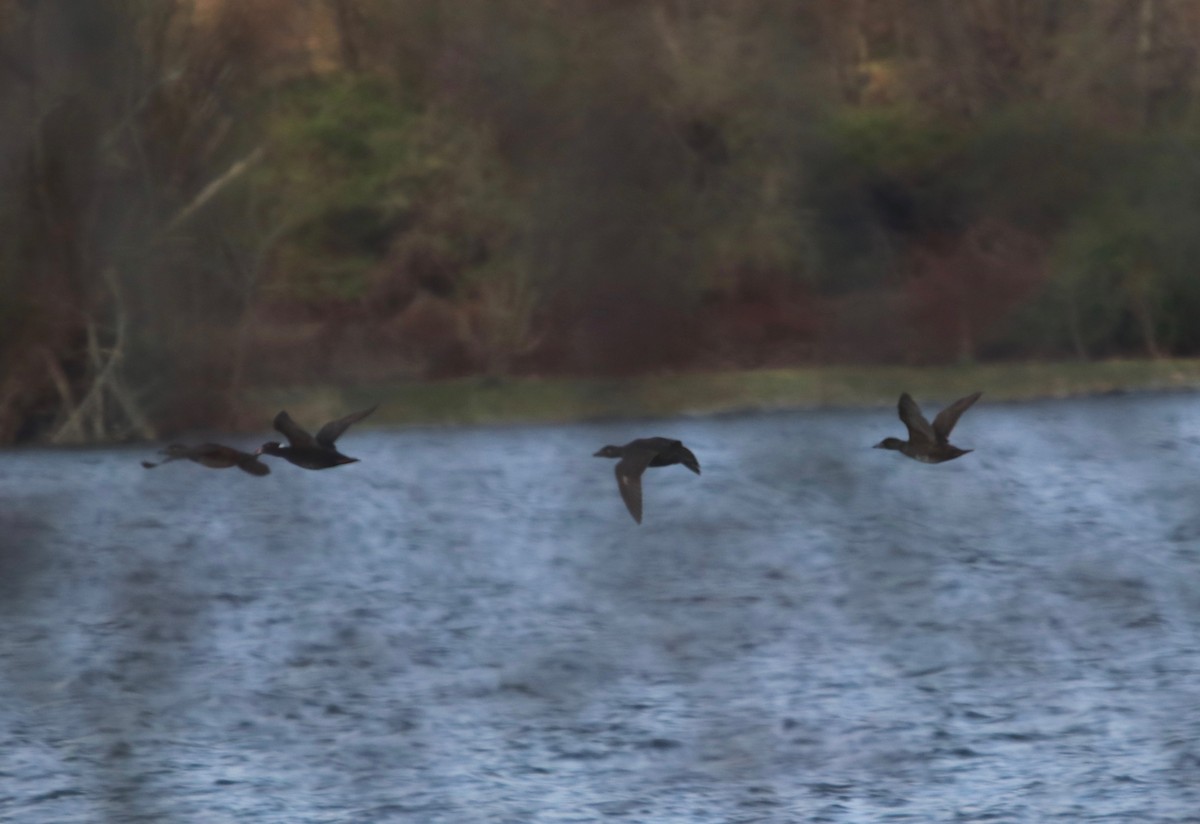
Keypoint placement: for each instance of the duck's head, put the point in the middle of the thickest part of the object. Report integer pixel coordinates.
(889, 443)
(608, 452)
(269, 448)
(689, 460)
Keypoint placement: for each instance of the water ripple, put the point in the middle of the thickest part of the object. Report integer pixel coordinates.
(467, 626)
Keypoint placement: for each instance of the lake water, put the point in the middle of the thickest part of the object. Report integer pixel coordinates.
(467, 626)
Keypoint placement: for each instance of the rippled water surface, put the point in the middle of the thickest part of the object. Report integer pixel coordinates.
(468, 627)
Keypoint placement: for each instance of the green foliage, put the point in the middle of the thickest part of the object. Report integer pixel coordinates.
(361, 171)
(879, 179)
(1035, 168)
(897, 141)
(348, 165)
(1117, 212)
(1125, 265)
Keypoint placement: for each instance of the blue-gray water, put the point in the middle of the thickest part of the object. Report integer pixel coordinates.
(468, 627)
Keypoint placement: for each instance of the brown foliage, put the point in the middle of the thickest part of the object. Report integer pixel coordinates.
(965, 287)
(762, 320)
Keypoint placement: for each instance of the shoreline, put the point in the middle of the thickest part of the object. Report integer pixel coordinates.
(482, 401)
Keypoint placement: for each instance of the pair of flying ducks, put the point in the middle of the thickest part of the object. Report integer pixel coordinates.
(303, 449)
(928, 443)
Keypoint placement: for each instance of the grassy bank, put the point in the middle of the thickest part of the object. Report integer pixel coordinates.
(528, 400)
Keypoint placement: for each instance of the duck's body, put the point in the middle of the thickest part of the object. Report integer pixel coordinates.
(636, 456)
(310, 452)
(929, 443)
(213, 455)
(306, 457)
(926, 454)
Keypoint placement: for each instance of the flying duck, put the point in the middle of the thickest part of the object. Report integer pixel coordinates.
(308, 452)
(213, 455)
(635, 456)
(929, 444)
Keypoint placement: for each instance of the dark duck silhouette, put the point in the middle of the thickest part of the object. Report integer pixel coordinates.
(308, 452)
(213, 455)
(929, 444)
(635, 456)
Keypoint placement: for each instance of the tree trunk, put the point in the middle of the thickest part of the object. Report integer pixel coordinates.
(343, 18)
(1147, 17)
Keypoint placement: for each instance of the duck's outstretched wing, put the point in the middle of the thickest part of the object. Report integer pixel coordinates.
(251, 463)
(291, 430)
(629, 471)
(219, 456)
(919, 430)
(943, 424)
(333, 430)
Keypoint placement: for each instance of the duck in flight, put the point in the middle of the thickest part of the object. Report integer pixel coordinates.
(307, 451)
(213, 455)
(929, 444)
(635, 456)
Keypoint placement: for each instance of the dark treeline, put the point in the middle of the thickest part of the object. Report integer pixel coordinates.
(202, 197)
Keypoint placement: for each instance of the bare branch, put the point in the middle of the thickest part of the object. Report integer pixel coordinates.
(214, 188)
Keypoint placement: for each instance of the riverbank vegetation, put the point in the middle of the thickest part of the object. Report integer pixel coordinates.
(551, 400)
(206, 202)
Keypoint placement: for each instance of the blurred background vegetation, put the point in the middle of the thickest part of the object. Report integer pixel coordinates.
(203, 198)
